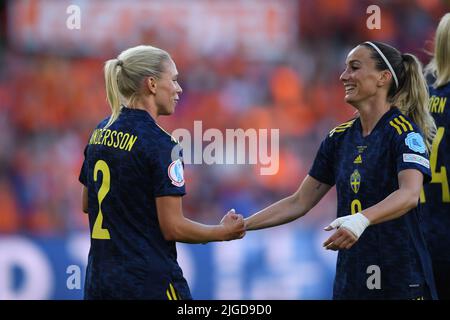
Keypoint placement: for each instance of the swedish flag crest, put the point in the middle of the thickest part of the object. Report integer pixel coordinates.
(355, 181)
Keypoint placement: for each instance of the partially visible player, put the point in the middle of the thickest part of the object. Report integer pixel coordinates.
(437, 194)
(133, 183)
(378, 162)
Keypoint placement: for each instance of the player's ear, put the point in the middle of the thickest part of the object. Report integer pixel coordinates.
(151, 84)
(385, 77)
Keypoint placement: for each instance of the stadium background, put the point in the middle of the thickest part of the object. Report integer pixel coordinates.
(263, 64)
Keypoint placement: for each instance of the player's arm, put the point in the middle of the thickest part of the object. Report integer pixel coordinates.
(399, 202)
(405, 198)
(290, 208)
(176, 227)
(84, 199)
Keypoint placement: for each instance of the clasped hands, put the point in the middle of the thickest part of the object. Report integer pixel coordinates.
(234, 225)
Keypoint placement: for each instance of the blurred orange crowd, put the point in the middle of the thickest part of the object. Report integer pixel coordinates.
(49, 104)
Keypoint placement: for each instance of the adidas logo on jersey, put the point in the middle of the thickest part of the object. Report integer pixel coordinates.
(358, 159)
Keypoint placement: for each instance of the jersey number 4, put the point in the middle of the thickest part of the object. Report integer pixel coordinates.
(441, 175)
(98, 232)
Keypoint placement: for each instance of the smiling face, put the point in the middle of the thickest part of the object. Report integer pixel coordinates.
(167, 89)
(361, 79)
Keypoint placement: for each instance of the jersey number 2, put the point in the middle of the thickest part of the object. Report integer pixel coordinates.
(97, 231)
(441, 176)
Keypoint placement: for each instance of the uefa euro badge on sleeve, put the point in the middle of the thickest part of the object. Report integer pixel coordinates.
(415, 142)
(176, 173)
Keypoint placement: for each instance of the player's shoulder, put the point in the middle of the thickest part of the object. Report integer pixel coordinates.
(102, 124)
(405, 131)
(144, 125)
(155, 139)
(341, 129)
(399, 124)
(98, 128)
(443, 90)
(165, 136)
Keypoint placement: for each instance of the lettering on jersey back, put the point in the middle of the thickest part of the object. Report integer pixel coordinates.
(437, 104)
(113, 138)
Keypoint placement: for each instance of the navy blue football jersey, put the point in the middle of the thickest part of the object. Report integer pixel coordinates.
(365, 171)
(126, 167)
(436, 197)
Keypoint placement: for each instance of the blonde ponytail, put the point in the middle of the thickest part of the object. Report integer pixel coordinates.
(439, 66)
(112, 89)
(412, 98)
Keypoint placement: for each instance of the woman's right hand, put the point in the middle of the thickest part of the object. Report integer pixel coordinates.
(233, 226)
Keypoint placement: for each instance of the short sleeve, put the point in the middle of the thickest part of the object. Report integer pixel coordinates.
(84, 169)
(323, 166)
(168, 171)
(411, 153)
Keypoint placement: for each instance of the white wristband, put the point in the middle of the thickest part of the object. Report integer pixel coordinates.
(355, 223)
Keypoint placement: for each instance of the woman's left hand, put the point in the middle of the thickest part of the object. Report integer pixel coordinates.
(349, 229)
